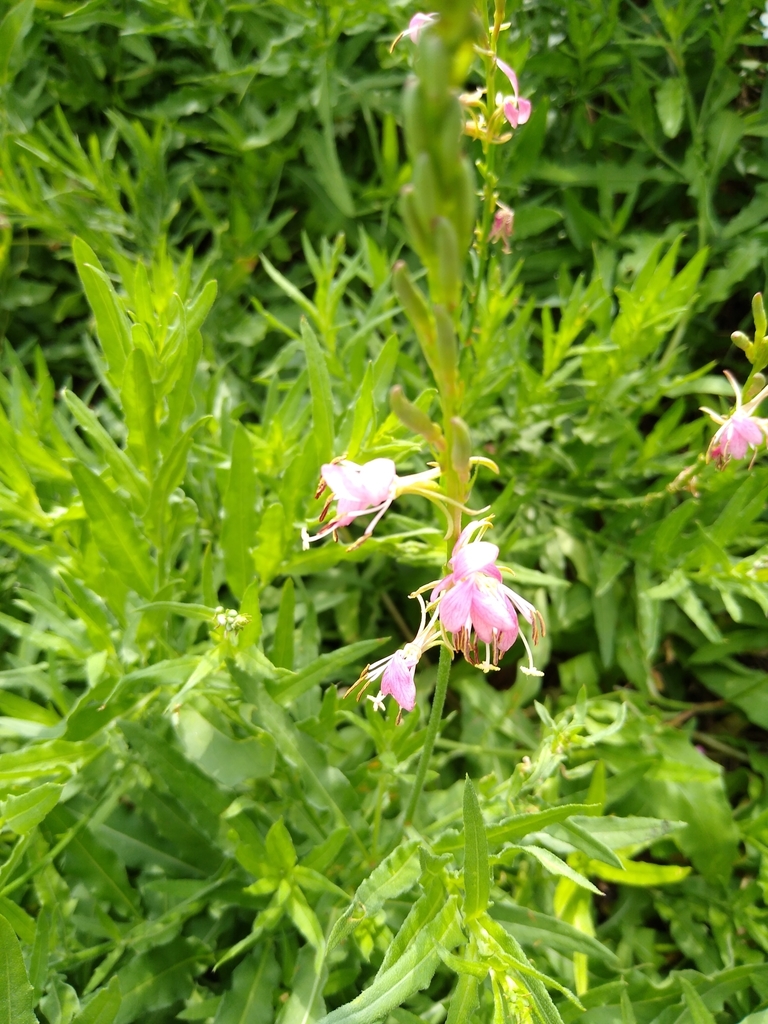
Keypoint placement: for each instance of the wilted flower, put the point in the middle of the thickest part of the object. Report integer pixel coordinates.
(503, 225)
(475, 605)
(361, 489)
(416, 26)
(517, 110)
(739, 431)
(397, 670)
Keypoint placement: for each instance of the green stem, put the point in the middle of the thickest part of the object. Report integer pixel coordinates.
(436, 714)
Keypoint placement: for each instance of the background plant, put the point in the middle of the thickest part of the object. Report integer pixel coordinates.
(173, 799)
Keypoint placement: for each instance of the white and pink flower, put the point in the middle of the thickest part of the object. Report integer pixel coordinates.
(740, 431)
(516, 108)
(503, 225)
(397, 671)
(416, 26)
(475, 605)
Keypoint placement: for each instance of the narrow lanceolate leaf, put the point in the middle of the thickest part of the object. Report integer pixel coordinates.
(523, 824)
(115, 533)
(463, 1001)
(541, 931)
(103, 1008)
(412, 972)
(697, 1008)
(249, 998)
(320, 390)
(138, 398)
(477, 879)
(111, 321)
(282, 645)
(396, 874)
(589, 844)
(238, 532)
(15, 989)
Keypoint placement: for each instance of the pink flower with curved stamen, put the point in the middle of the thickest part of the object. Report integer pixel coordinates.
(369, 488)
(516, 108)
(475, 605)
(503, 225)
(397, 670)
(357, 490)
(740, 431)
(416, 26)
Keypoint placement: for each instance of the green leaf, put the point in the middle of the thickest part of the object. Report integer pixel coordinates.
(669, 106)
(249, 605)
(282, 645)
(696, 1006)
(477, 872)
(227, 760)
(520, 825)
(22, 813)
(239, 529)
(157, 979)
(250, 996)
(138, 397)
(620, 833)
(320, 390)
(103, 1007)
(124, 471)
(552, 863)
(538, 930)
(396, 874)
(13, 29)
(15, 989)
(587, 843)
(410, 973)
(639, 873)
(111, 321)
(118, 540)
(306, 1004)
(326, 665)
(463, 1005)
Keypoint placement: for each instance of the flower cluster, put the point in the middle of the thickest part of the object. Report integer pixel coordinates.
(468, 607)
(740, 431)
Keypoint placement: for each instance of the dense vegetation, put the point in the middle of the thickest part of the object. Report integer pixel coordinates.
(201, 212)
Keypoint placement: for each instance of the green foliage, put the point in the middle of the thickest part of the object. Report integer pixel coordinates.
(194, 823)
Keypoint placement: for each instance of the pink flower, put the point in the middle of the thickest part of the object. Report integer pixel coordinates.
(416, 26)
(739, 431)
(357, 490)
(503, 225)
(517, 110)
(397, 670)
(397, 679)
(475, 605)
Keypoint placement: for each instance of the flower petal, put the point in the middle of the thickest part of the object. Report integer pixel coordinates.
(455, 606)
(491, 611)
(475, 557)
(397, 680)
(507, 70)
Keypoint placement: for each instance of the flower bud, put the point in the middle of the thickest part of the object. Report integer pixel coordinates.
(449, 263)
(754, 387)
(758, 312)
(415, 419)
(416, 309)
(465, 201)
(447, 351)
(421, 239)
(740, 339)
(426, 191)
(461, 448)
(417, 134)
